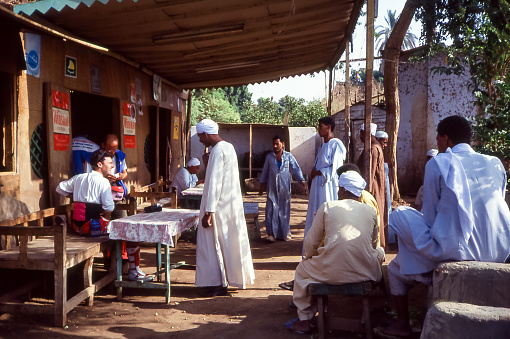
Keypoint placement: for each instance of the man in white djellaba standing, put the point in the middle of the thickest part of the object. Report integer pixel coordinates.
(223, 249)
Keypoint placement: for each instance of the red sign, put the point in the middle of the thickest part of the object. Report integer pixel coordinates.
(126, 109)
(60, 142)
(129, 141)
(60, 100)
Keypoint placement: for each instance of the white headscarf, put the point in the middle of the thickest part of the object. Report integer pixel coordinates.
(381, 135)
(207, 126)
(373, 128)
(352, 182)
(432, 153)
(193, 162)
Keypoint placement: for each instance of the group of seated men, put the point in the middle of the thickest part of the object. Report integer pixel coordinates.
(464, 217)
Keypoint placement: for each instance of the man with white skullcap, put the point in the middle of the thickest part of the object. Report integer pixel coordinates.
(382, 138)
(223, 249)
(377, 186)
(340, 247)
(464, 217)
(418, 202)
(186, 177)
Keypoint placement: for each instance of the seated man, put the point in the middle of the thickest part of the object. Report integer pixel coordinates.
(92, 194)
(186, 177)
(465, 217)
(350, 232)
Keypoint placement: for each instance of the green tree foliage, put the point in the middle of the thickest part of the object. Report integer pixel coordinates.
(212, 104)
(238, 96)
(382, 33)
(480, 32)
(358, 76)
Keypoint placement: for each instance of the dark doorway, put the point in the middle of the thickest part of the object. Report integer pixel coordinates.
(7, 134)
(94, 116)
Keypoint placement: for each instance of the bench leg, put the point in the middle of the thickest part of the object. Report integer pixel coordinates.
(167, 273)
(60, 275)
(158, 259)
(87, 278)
(257, 227)
(118, 252)
(365, 317)
(321, 305)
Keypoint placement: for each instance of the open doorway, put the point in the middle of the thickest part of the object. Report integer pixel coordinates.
(7, 133)
(94, 116)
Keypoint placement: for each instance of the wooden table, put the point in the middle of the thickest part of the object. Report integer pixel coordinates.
(158, 228)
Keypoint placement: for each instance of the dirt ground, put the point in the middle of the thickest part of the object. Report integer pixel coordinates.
(260, 311)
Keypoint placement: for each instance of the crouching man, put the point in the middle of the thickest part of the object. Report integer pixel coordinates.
(345, 229)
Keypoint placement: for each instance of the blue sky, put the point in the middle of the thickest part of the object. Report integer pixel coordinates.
(314, 87)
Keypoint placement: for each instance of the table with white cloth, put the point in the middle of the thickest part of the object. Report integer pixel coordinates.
(159, 228)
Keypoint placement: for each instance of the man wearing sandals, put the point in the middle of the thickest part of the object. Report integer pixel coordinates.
(345, 229)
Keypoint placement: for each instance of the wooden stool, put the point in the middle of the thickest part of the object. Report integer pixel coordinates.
(321, 292)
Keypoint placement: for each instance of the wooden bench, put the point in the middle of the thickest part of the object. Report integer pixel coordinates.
(52, 249)
(152, 193)
(251, 214)
(321, 291)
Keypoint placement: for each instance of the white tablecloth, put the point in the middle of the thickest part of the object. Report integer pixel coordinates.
(199, 190)
(156, 227)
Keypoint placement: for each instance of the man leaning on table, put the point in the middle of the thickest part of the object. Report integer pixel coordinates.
(223, 249)
(92, 195)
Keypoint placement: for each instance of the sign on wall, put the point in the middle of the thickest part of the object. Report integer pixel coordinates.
(95, 80)
(129, 125)
(61, 130)
(176, 128)
(71, 67)
(33, 54)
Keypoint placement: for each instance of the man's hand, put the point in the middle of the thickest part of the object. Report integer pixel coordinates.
(304, 185)
(111, 178)
(207, 220)
(315, 173)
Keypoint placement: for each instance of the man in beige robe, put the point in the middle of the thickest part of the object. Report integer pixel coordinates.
(377, 182)
(223, 248)
(349, 253)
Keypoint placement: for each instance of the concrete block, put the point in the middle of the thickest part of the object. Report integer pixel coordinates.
(472, 282)
(457, 320)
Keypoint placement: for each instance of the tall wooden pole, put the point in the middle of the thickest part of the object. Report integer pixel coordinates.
(368, 91)
(251, 152)
(330, 89)
(156, 172)
(347, 96)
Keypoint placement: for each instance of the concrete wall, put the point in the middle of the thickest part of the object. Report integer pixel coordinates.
(425, 99)
(116, 78)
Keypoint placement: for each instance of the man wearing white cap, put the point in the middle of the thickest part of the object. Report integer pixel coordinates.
(418, 202)
(377, 186)
(223, 249)
(186, 177)
(340, 248)
(465, 217)
(382, 138)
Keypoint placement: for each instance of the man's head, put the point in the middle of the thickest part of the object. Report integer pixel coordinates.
(101, 161)
(193, 165)
(351, 184)
(326, 125)
(347, 167)
(111, 143)
(382, 137)
(207, 131)
(452, 131)
(278, 144)
(373, 128)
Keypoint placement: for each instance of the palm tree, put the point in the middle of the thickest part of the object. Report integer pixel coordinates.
(382, 33)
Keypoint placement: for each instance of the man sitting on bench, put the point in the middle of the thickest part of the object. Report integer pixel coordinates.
(92, 194)
(340, 247)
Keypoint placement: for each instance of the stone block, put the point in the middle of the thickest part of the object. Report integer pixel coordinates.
(472, 282)
(458, 320)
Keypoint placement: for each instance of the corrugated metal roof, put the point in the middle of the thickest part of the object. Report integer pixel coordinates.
(211, 43)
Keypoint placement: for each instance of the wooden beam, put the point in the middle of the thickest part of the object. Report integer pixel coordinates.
(330, 89)
(347, 97)
(251, 151)
(156, 171)
(368, 92)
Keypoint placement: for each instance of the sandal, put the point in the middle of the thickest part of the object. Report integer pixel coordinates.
(291, 325)
(289, 285)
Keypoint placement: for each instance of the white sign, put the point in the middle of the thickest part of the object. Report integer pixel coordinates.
(129, 125)
(60, 121)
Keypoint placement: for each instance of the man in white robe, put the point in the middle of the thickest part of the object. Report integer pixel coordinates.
(340, 248)
(186, 177)
(465, 216)
(223, 249)
(330, 157)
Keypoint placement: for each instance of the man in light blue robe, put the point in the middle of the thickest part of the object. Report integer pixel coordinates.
(465, 216)
(330, 157)
(276, 179)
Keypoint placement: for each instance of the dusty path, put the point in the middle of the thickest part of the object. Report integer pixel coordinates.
(257, 312)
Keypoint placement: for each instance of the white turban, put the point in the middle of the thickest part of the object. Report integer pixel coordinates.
(352, 182)
(381, 135)
(373, 128)
(207, 126)
(193, 162)
(432, 153)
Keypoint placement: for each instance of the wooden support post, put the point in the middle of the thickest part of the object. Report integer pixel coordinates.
(330, 89)
(156, 173)
(87, 279)
(251, 151)
(187, 130)
(347, 96)
(368, 90)
(60, 274)
(118, 252)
